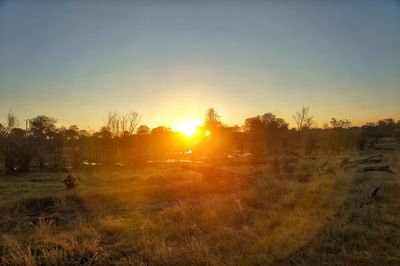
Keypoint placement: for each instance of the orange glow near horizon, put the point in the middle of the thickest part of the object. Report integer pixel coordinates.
(188, 127)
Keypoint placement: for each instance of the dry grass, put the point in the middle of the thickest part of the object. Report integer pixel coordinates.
(314, 214)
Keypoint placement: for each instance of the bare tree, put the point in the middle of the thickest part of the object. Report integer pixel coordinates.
(12, 121)
(118, 124)
(303, 118)
(123, 120)
(112, 123)
(129, 122)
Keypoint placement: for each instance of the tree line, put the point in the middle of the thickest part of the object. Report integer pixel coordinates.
(41, 145)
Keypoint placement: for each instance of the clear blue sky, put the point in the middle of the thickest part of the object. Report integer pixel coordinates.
(76, 60)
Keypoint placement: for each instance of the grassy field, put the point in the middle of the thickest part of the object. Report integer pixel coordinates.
(318, 213)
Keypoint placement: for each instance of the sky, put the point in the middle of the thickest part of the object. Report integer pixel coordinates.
(77, 60)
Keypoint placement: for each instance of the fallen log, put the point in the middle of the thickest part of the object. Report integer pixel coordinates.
(347, 164)
(378, 168)
(385, 148)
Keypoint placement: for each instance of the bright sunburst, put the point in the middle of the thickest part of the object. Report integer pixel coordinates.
(188, 127)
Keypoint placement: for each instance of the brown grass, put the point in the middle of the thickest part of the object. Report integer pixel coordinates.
(315, 214)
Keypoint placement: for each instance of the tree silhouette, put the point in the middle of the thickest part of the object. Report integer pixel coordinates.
(15, 146)
(41, 126)
(266, 132)
(143, 130)
(335, 123)
(129, 122)
(212, 119)
(42, 129)
(12, 121)
(119, 124)
(303, 118)
(267, 137)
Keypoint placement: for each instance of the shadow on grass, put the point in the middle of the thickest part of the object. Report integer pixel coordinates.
(364, 230)
(57, 210)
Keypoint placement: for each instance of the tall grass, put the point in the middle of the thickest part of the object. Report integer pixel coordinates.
(171, 216)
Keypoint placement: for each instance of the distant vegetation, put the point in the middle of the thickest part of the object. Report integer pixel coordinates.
(122, 140)
(260, 194)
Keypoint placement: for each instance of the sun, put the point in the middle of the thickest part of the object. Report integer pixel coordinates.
(188, 127)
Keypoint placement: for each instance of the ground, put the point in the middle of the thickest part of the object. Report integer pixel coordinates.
(321, 211)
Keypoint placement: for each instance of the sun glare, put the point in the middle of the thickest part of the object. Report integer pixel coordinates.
(188, 128)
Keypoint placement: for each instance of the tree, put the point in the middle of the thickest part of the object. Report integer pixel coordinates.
(84, 133)
(73, 128)
(386, 127)
(270, 121)
(71, 133)
(41, 126)
(12, 121)
(119, 124)
(335, 123)
(112, 123)
(129, 122)
(212, 119)
(104, 133)
(43, 130)
(143, 130)
(339, 134)
(388, 123)
(160, 130)
(397, 131)
(15, 146)
(266, 132)
(303, 118)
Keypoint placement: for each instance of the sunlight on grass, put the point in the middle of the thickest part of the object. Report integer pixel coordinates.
(173, 216)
